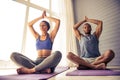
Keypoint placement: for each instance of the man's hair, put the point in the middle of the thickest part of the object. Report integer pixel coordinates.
(88, 24)
(47, 23)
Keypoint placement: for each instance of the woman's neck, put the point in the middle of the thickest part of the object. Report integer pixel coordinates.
(44, 34)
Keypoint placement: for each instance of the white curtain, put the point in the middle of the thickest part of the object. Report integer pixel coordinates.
(67, 22)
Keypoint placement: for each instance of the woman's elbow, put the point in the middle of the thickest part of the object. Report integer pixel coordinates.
(29, 24)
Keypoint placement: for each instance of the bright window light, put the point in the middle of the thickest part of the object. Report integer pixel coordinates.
(41, 3)
(12, 16)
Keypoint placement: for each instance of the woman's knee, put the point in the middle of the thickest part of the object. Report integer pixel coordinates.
(55, 58)
(57, 54)
(13, 55)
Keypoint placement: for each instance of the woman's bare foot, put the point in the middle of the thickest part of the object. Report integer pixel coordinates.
(24, 70)
(46, 71)
(101, 66)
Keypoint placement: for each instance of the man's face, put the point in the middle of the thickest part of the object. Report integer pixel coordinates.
(87, 29)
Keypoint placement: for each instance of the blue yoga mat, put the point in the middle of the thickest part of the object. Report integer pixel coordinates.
(33, 76)
(107, 72)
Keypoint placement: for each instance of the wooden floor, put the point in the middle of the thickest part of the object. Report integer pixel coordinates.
(62, 76)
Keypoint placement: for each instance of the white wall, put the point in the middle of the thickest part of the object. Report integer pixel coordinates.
(109, 12)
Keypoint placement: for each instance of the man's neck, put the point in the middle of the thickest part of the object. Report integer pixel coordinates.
(87, 34)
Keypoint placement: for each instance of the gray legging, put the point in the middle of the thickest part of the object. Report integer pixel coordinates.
(40, 63)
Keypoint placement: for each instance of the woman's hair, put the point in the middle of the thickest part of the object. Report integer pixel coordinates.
(47, 23)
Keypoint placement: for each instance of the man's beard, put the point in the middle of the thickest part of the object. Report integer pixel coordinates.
(87, 33)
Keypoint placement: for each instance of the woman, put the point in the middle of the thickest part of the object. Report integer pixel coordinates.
(46, 61)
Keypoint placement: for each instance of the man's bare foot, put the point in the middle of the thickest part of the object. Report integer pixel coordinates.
(24, 70)
(80, 67)
(101, 66)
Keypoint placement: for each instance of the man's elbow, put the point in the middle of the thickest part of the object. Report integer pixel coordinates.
(100, 22)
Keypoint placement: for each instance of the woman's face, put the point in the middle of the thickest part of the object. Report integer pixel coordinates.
(43, 27)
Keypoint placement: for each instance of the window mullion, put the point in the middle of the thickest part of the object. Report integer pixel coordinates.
(25, 30)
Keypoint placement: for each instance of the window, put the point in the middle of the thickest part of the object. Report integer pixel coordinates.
(42, 3)
(12, 16)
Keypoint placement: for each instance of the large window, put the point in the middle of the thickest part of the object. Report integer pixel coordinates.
(42, 3)
(12, 16)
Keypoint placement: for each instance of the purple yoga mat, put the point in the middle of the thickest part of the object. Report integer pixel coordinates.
(94, 73)
(34, 76)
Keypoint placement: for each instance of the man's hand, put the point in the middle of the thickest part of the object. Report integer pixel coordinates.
(86, 18)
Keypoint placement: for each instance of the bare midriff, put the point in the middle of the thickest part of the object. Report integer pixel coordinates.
(44, 53)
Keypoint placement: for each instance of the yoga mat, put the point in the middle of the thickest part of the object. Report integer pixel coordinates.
(94, 73)
(33, 76)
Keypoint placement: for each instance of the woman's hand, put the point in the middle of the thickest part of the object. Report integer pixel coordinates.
(44, 14)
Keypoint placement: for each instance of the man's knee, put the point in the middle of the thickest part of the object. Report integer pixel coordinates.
(109, 55)
(69, 55)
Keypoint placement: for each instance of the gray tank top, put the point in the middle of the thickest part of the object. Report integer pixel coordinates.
(89, 46)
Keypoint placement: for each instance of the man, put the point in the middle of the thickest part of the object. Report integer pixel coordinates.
(90, 57)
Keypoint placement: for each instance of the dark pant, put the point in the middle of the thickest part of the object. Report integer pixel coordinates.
(40, 63)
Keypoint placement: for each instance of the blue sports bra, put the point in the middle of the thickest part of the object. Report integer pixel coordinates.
(44, 44)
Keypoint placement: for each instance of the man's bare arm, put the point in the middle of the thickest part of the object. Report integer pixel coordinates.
(99, 27)
(76, 31)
